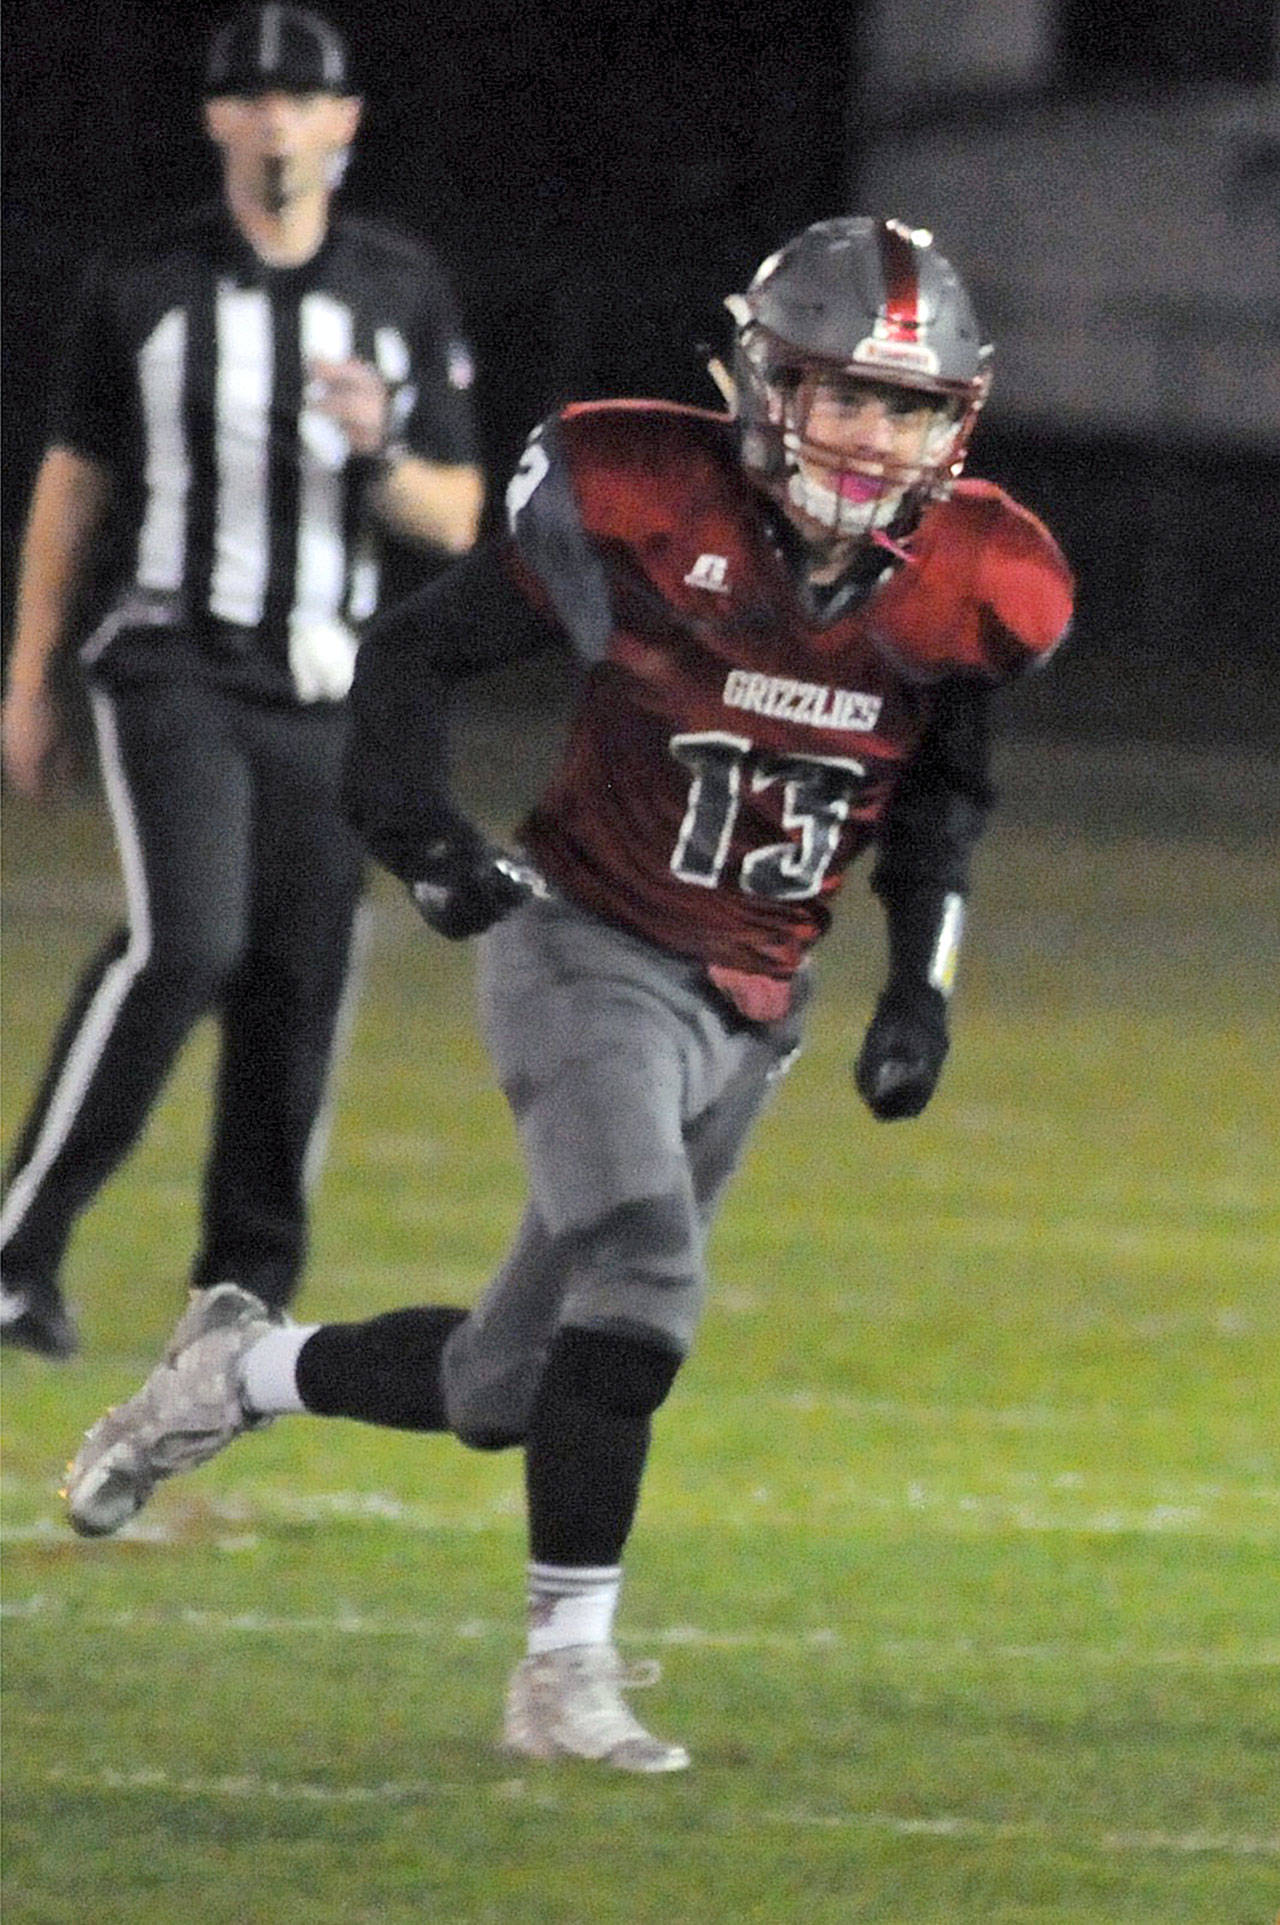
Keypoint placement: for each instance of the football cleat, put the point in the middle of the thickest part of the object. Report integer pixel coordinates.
(568, 1704)
(189, 1408)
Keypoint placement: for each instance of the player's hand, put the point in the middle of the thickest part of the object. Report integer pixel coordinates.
(903, 1053)
(353, 394)
(467, 884)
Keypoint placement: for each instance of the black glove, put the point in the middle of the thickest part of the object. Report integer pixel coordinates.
(903, 1053)
(467, 884)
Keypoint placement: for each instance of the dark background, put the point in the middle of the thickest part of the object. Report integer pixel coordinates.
(596, 178)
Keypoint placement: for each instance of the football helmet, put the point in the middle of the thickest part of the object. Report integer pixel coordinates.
(849, 313)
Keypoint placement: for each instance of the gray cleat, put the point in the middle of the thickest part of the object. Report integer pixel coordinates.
(186, 1411)
(568, 1704)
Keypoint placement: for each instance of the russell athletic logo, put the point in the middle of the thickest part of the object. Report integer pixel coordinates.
(709, 571)
(787, 700)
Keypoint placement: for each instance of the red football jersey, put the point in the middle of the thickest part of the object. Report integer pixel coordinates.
(731, 753)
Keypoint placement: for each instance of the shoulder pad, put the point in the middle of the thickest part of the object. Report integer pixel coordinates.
(629, 458)
(596, 478)
(1011, 570)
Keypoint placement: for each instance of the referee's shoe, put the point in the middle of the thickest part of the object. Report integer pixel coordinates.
(34, 1317)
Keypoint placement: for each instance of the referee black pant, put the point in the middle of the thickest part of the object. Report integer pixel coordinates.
(242, 878)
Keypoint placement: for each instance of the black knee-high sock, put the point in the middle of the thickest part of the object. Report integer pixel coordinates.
(587, 1443)
(384, 1371)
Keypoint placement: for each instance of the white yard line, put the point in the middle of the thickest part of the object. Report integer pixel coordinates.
(42, 1605)
(1065, 1501)
(150, 1780)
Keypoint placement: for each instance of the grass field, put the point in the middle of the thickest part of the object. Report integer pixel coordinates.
(959, 1547)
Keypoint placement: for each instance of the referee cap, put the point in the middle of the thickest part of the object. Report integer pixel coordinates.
(276, 49)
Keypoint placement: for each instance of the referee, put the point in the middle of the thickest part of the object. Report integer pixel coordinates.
(251, 393)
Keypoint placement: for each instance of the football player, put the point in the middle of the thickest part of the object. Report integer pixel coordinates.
(790, 620)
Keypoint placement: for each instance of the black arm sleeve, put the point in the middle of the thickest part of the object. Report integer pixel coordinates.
(939, 808)
(395, 781)
(931, 827)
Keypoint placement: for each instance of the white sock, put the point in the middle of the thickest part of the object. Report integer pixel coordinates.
(571, 1604)
(268, 1370)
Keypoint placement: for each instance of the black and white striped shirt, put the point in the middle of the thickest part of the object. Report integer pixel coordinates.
(186, 375)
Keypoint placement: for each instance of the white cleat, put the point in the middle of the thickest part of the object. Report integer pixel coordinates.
(568, 1704)
(188, 1409)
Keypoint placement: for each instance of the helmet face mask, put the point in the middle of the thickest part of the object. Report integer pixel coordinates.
(859, 373)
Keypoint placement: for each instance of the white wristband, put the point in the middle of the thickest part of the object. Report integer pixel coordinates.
(946, 947)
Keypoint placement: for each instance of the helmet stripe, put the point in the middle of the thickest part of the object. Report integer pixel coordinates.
(902, 288)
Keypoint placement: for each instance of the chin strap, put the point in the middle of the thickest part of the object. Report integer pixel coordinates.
(881, 540)
(724, 381)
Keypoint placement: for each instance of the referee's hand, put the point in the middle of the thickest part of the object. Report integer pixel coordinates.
(353, 394)
(35, 751)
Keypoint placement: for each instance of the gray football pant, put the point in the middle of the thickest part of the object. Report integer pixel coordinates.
(634, 1088)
